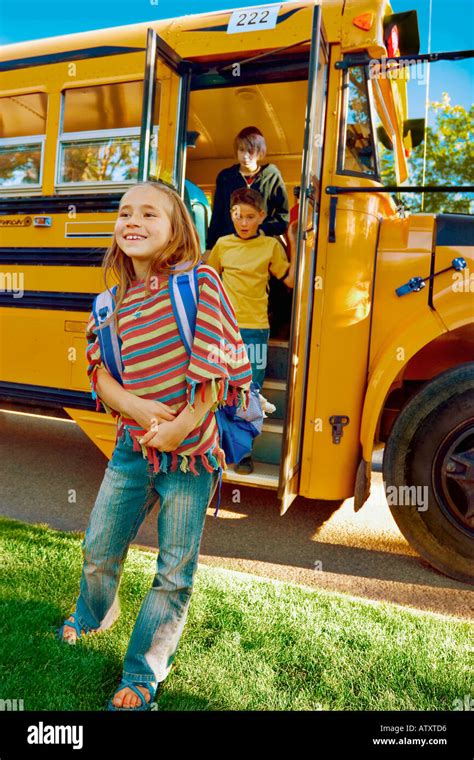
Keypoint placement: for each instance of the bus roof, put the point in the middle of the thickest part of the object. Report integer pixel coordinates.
(205, 34)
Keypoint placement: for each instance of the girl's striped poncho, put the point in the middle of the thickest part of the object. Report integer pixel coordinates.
(157, 367)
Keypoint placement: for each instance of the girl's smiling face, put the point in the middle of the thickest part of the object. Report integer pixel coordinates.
(143, 227)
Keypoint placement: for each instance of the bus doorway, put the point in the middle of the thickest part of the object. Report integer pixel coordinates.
(283, 94)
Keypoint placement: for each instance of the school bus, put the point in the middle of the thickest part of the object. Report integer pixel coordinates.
(379, 349)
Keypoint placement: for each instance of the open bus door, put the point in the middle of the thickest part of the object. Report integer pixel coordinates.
(164, 63)
(305, 253)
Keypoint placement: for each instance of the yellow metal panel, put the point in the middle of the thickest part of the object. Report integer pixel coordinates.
(453, 292)
(401, 325)
(409, 338)
(78, 378)
(65, 279)
(340, 378)
(100, 428)
(35, 347)
(340, 324)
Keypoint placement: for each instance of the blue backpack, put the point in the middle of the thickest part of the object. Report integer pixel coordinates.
(237, 427)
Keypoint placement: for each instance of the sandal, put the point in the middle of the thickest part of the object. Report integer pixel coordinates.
(126, 684)
(73, 624)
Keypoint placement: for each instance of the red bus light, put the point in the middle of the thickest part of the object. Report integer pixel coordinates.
(393, 49)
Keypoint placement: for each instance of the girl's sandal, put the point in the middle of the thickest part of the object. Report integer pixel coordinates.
(144, 705)
(72, 624)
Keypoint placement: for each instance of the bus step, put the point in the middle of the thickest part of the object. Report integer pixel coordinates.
(275, 392)
(277, 359)
(264, 476)
(267, 445)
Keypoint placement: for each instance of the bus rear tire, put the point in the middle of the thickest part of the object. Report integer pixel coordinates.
(430, 455)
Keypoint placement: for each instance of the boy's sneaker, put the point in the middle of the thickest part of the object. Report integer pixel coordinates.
(245, 466)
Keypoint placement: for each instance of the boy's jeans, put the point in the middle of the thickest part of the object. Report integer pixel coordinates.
(128, 492)
(256, 345)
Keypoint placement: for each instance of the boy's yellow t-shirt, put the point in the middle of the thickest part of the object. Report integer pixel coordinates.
(245, 267)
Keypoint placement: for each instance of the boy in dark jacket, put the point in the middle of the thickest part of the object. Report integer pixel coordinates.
(250, 149)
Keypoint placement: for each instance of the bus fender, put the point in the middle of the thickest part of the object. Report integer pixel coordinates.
(387, 365)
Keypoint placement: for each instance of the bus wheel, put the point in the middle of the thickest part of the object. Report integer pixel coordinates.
(428, 470)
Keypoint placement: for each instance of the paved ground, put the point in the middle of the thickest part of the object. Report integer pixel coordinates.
(363, 554)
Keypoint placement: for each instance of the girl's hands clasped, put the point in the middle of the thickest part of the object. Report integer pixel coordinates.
(147, 413)
(165, 436)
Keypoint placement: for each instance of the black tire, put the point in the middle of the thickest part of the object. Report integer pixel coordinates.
(431, 452)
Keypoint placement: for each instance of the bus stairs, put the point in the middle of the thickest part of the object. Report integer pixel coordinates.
(267, 446)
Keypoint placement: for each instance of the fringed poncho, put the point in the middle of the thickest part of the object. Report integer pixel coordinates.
(157, 367)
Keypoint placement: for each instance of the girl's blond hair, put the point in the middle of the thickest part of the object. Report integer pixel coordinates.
(183, 246)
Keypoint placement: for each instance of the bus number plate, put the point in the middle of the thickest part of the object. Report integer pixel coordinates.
(254, 19)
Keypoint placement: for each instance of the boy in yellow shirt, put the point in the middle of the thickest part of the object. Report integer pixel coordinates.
(244, 261)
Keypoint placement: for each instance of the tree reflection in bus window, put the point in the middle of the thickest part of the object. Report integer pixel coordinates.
(358, 143)
(22, 132)
(100, 140)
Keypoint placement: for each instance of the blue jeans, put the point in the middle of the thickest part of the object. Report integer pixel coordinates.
(256, 344)
(127, 494)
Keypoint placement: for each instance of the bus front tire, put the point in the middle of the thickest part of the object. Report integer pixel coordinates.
(428, 471)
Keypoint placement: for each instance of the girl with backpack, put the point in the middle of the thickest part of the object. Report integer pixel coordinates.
(167, 443)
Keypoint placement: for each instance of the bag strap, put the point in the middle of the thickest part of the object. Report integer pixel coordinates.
(109, 341)
(184, 298)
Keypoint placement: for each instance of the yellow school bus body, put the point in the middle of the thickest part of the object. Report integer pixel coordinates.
(365, 342)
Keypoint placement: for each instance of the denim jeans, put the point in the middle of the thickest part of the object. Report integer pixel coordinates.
(127, 494)
(256, 344)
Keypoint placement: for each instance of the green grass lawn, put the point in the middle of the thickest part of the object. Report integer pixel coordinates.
(249, 644)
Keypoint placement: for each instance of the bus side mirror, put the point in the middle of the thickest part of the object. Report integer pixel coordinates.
(416, 129)
(413, 134)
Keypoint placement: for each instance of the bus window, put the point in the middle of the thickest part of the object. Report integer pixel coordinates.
(356, 147)
(100, 137)
(22, 134)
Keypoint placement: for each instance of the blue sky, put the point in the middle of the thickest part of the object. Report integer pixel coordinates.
(452, 29)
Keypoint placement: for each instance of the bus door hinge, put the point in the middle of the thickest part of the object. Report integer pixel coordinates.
(332, 219)
(338, 422)
(309, 191)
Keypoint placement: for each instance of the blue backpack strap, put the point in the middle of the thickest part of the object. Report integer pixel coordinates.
(109, 342)
(184, 298)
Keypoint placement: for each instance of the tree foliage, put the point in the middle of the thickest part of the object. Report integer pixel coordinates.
(449, 160)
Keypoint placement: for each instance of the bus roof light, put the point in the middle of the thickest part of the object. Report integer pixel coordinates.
(393, 47)
(364, 21)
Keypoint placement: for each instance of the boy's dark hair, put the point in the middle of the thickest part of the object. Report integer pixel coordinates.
(252, 139)
(248, 196)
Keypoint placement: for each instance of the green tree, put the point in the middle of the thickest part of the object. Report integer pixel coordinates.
(449, 160)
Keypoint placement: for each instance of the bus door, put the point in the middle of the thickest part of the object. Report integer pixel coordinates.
(299, 340)
(164, 65)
